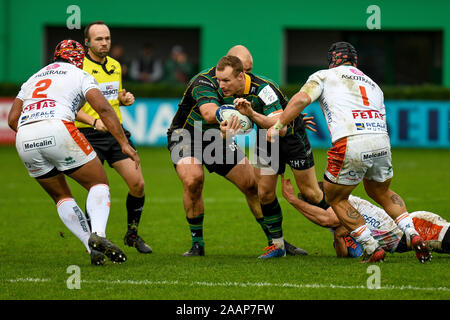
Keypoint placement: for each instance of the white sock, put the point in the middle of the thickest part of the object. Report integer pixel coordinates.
(74, 219)
(279, 242)
(97, 205)
(405, 223)
(364, 237)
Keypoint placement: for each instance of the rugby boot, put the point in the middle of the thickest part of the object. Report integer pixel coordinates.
(273, 252)
(423, 252)
(132, 239)
(105, 246)
(376, 256)
(97, 258)
(293, 250)
(196, 250)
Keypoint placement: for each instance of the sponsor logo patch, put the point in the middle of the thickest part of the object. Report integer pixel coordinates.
(41, 143)
(110, 89)
(381, 153)
(267, 95)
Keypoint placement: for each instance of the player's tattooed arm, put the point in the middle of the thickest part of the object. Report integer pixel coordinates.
(352, 213)
(396, 199)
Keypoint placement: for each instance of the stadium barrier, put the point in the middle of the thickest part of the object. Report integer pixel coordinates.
(417, 124)
(410, 123)
(7, 136)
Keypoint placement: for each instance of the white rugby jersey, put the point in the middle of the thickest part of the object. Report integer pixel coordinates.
(351, 102)
(381, 225)
(57, 91)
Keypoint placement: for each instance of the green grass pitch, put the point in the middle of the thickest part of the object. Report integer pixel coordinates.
(36, 249)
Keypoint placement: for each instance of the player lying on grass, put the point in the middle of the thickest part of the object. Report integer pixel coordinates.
(431, 227)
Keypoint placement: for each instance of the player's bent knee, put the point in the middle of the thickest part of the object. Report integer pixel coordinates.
(193, 185)
(312, 195)
(266, 196)
(249, 187)
(138, 188)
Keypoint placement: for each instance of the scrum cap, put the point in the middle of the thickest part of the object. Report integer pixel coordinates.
(341, 52)
(70, 51)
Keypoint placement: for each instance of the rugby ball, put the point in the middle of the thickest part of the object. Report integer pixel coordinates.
(226, 111)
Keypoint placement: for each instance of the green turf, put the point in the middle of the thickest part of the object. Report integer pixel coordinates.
(34, 257)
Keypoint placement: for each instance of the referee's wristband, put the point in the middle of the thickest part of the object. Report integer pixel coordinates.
(95, 121)
(278, 125)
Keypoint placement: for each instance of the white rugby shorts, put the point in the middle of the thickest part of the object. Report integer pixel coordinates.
(46, 144)
(358, 157)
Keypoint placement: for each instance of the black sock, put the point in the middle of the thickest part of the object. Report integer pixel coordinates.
(273, 218)
(323, 204)
(196, 227)
(265, 229)
(446, 242)
(134, 210)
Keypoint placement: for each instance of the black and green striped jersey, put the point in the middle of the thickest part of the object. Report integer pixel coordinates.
(264, 94)
(266, 97)
(201, 89)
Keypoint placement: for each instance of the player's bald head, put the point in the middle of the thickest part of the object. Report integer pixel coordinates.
(244, 55)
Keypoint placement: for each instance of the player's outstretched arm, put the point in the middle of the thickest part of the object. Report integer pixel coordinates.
(307, 94)
(324, 218)
(14, 114)
(294, 107)
(110, 119)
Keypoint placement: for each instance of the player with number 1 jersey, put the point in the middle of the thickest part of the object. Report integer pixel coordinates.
(353, 106)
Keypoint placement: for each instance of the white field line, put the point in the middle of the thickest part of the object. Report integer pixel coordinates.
(234, 284)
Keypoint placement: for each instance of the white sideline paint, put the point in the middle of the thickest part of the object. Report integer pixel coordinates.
(234, 284)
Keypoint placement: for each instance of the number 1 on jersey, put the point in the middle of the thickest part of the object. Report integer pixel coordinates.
(362, 89)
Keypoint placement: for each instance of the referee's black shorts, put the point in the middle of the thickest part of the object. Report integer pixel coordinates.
(105, 145)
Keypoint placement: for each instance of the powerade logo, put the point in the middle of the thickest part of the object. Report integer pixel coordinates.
(51, 72)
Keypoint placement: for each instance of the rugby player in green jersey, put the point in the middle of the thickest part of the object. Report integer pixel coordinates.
(261, 99)
(195, 117)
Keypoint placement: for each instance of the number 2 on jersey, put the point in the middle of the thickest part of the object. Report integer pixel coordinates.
(362, 89)
(41, 86)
